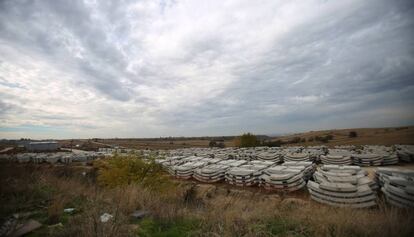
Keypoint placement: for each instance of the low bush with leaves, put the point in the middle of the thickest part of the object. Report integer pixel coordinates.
(131, 169)
(248, 140)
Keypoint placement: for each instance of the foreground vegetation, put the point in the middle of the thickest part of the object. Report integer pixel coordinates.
(119, 186)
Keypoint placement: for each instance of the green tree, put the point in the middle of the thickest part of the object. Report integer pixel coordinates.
(248, 140)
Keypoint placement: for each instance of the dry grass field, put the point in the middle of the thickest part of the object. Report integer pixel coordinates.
(162, 143)
(365, 136)
(181, 209)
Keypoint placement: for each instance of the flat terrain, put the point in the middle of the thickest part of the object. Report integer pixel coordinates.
(365, 136)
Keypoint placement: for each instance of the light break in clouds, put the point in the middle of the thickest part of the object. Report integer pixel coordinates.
(187, 68)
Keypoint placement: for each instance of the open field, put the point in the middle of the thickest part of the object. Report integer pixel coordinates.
(365, 136)
(180, 209)
(142, 143)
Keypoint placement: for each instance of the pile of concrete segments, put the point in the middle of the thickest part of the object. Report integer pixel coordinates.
(337, 157)
(365, 156)
(388, 154)
(184, 167)
(343, 186)
(270, 156)
(397, 186)
(336, 182)
(52, 157)
(288, 177)
(245, 175)
(405, 152)
(211, 173)
(302, 156)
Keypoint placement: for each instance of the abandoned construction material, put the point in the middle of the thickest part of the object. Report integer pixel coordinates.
(397, 186)
(277, 169)
(343, 186)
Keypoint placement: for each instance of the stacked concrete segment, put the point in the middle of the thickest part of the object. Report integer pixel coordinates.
(306, 167)
(186, 170)
(405, 152)
(336, 159)
(245, 175)
(297, 157)
(389, 155)
(268, 156)
(397, 186)
(369, 159)
(283, 178)
(342, 186)
(211, 173)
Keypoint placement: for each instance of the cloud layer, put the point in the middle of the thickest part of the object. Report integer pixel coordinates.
(172, 68)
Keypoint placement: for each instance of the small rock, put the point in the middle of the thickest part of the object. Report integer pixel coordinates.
(138, 214)
(106, 217)
(68, 210)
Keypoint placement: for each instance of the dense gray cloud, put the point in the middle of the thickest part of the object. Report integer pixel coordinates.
(171, 68)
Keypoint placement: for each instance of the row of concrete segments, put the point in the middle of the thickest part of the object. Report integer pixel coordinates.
(341, 155)
(51, 158)
(397, 186)
(289, 170)
(289, 176)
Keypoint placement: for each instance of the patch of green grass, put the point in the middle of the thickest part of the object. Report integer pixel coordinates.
(159, 228)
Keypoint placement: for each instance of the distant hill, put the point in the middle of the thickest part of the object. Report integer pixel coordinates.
(364, 136)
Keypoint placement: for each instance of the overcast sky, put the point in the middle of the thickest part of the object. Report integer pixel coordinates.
(195, 68)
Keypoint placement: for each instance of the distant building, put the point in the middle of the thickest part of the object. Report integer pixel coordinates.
(42, 146)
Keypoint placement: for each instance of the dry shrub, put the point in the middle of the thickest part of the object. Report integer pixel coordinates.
(55, 209)
(132, 169)
(331, 221)
(234, 213)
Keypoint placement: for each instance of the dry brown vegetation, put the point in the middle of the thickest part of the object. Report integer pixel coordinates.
(179, 209)
(365, 136)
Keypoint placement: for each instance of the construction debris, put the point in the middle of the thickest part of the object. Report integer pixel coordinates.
(106, 217)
